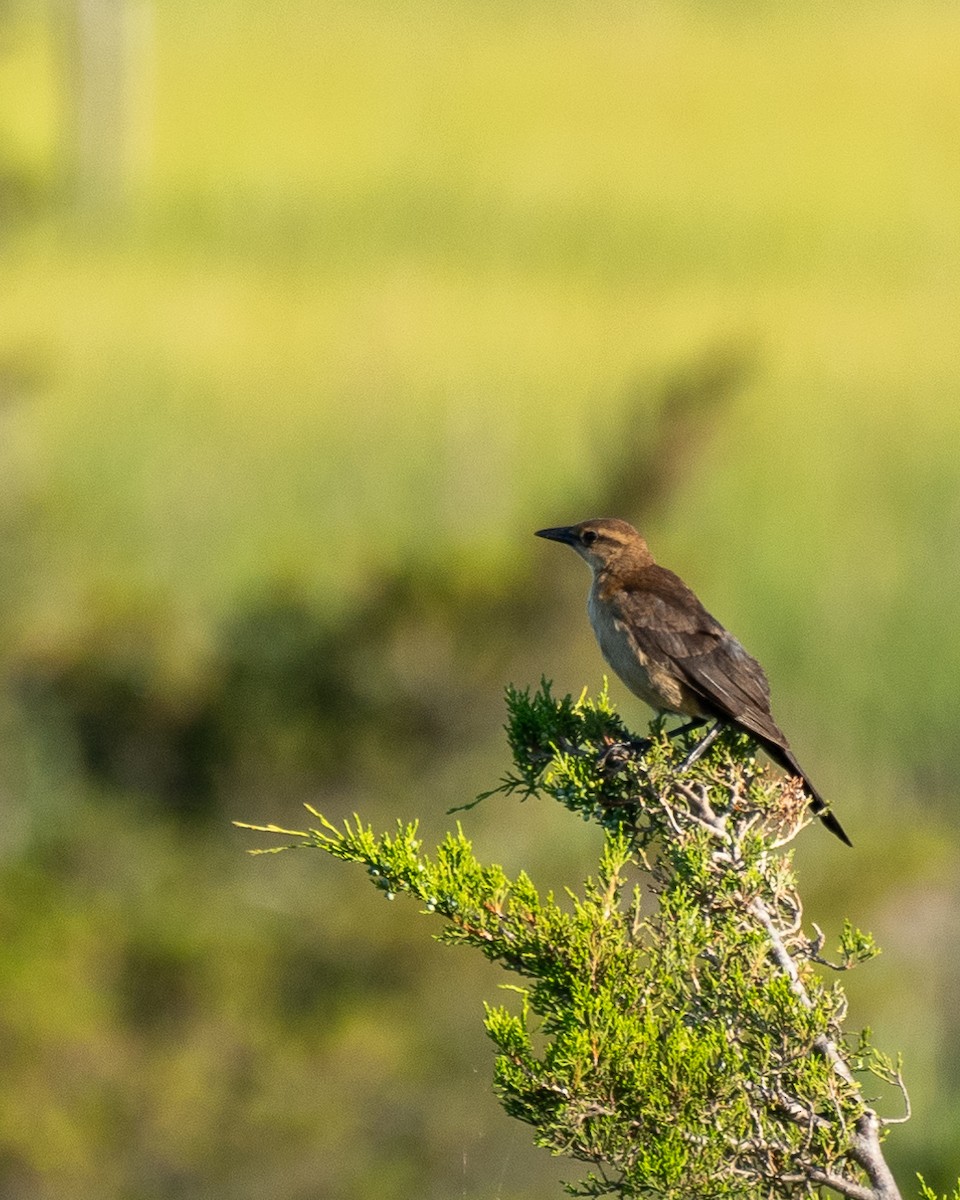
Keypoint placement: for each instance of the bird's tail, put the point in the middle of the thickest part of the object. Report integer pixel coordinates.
(783, 756)
(829, 820)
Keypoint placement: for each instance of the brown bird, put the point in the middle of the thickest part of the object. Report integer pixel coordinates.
(669, 651)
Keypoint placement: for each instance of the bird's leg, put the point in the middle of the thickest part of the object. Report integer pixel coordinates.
(688, 728)
(701, 747)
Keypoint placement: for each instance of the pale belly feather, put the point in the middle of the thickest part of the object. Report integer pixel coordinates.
(651, 682)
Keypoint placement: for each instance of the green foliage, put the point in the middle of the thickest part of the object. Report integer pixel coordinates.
(673, 1031)
(927, 1192)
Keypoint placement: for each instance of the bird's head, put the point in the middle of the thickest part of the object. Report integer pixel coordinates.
(603, 542)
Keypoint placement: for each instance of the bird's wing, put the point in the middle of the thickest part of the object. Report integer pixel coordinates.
(673, 628)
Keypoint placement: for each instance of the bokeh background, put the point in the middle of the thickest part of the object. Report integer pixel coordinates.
(310, 312)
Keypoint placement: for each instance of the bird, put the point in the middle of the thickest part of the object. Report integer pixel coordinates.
(669, 651)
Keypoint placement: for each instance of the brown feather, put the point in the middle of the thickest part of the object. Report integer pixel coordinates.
(666, 647)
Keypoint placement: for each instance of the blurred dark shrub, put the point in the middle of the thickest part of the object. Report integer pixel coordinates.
(292, 691)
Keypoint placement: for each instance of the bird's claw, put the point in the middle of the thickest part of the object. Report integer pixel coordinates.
(616, 755)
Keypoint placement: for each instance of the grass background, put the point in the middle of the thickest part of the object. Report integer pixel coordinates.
(381, 289)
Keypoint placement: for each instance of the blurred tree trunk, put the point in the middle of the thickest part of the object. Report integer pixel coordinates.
(106, 46)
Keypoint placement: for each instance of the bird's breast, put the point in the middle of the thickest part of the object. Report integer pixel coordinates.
(649, 680)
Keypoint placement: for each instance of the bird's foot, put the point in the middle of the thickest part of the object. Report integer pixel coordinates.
(615, 755)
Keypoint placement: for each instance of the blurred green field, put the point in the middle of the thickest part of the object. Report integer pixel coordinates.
(386, 288)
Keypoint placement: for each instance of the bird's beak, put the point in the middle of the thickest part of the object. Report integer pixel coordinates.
(563, 533)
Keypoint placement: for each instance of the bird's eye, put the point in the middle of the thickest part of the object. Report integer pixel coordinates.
(588, 537)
